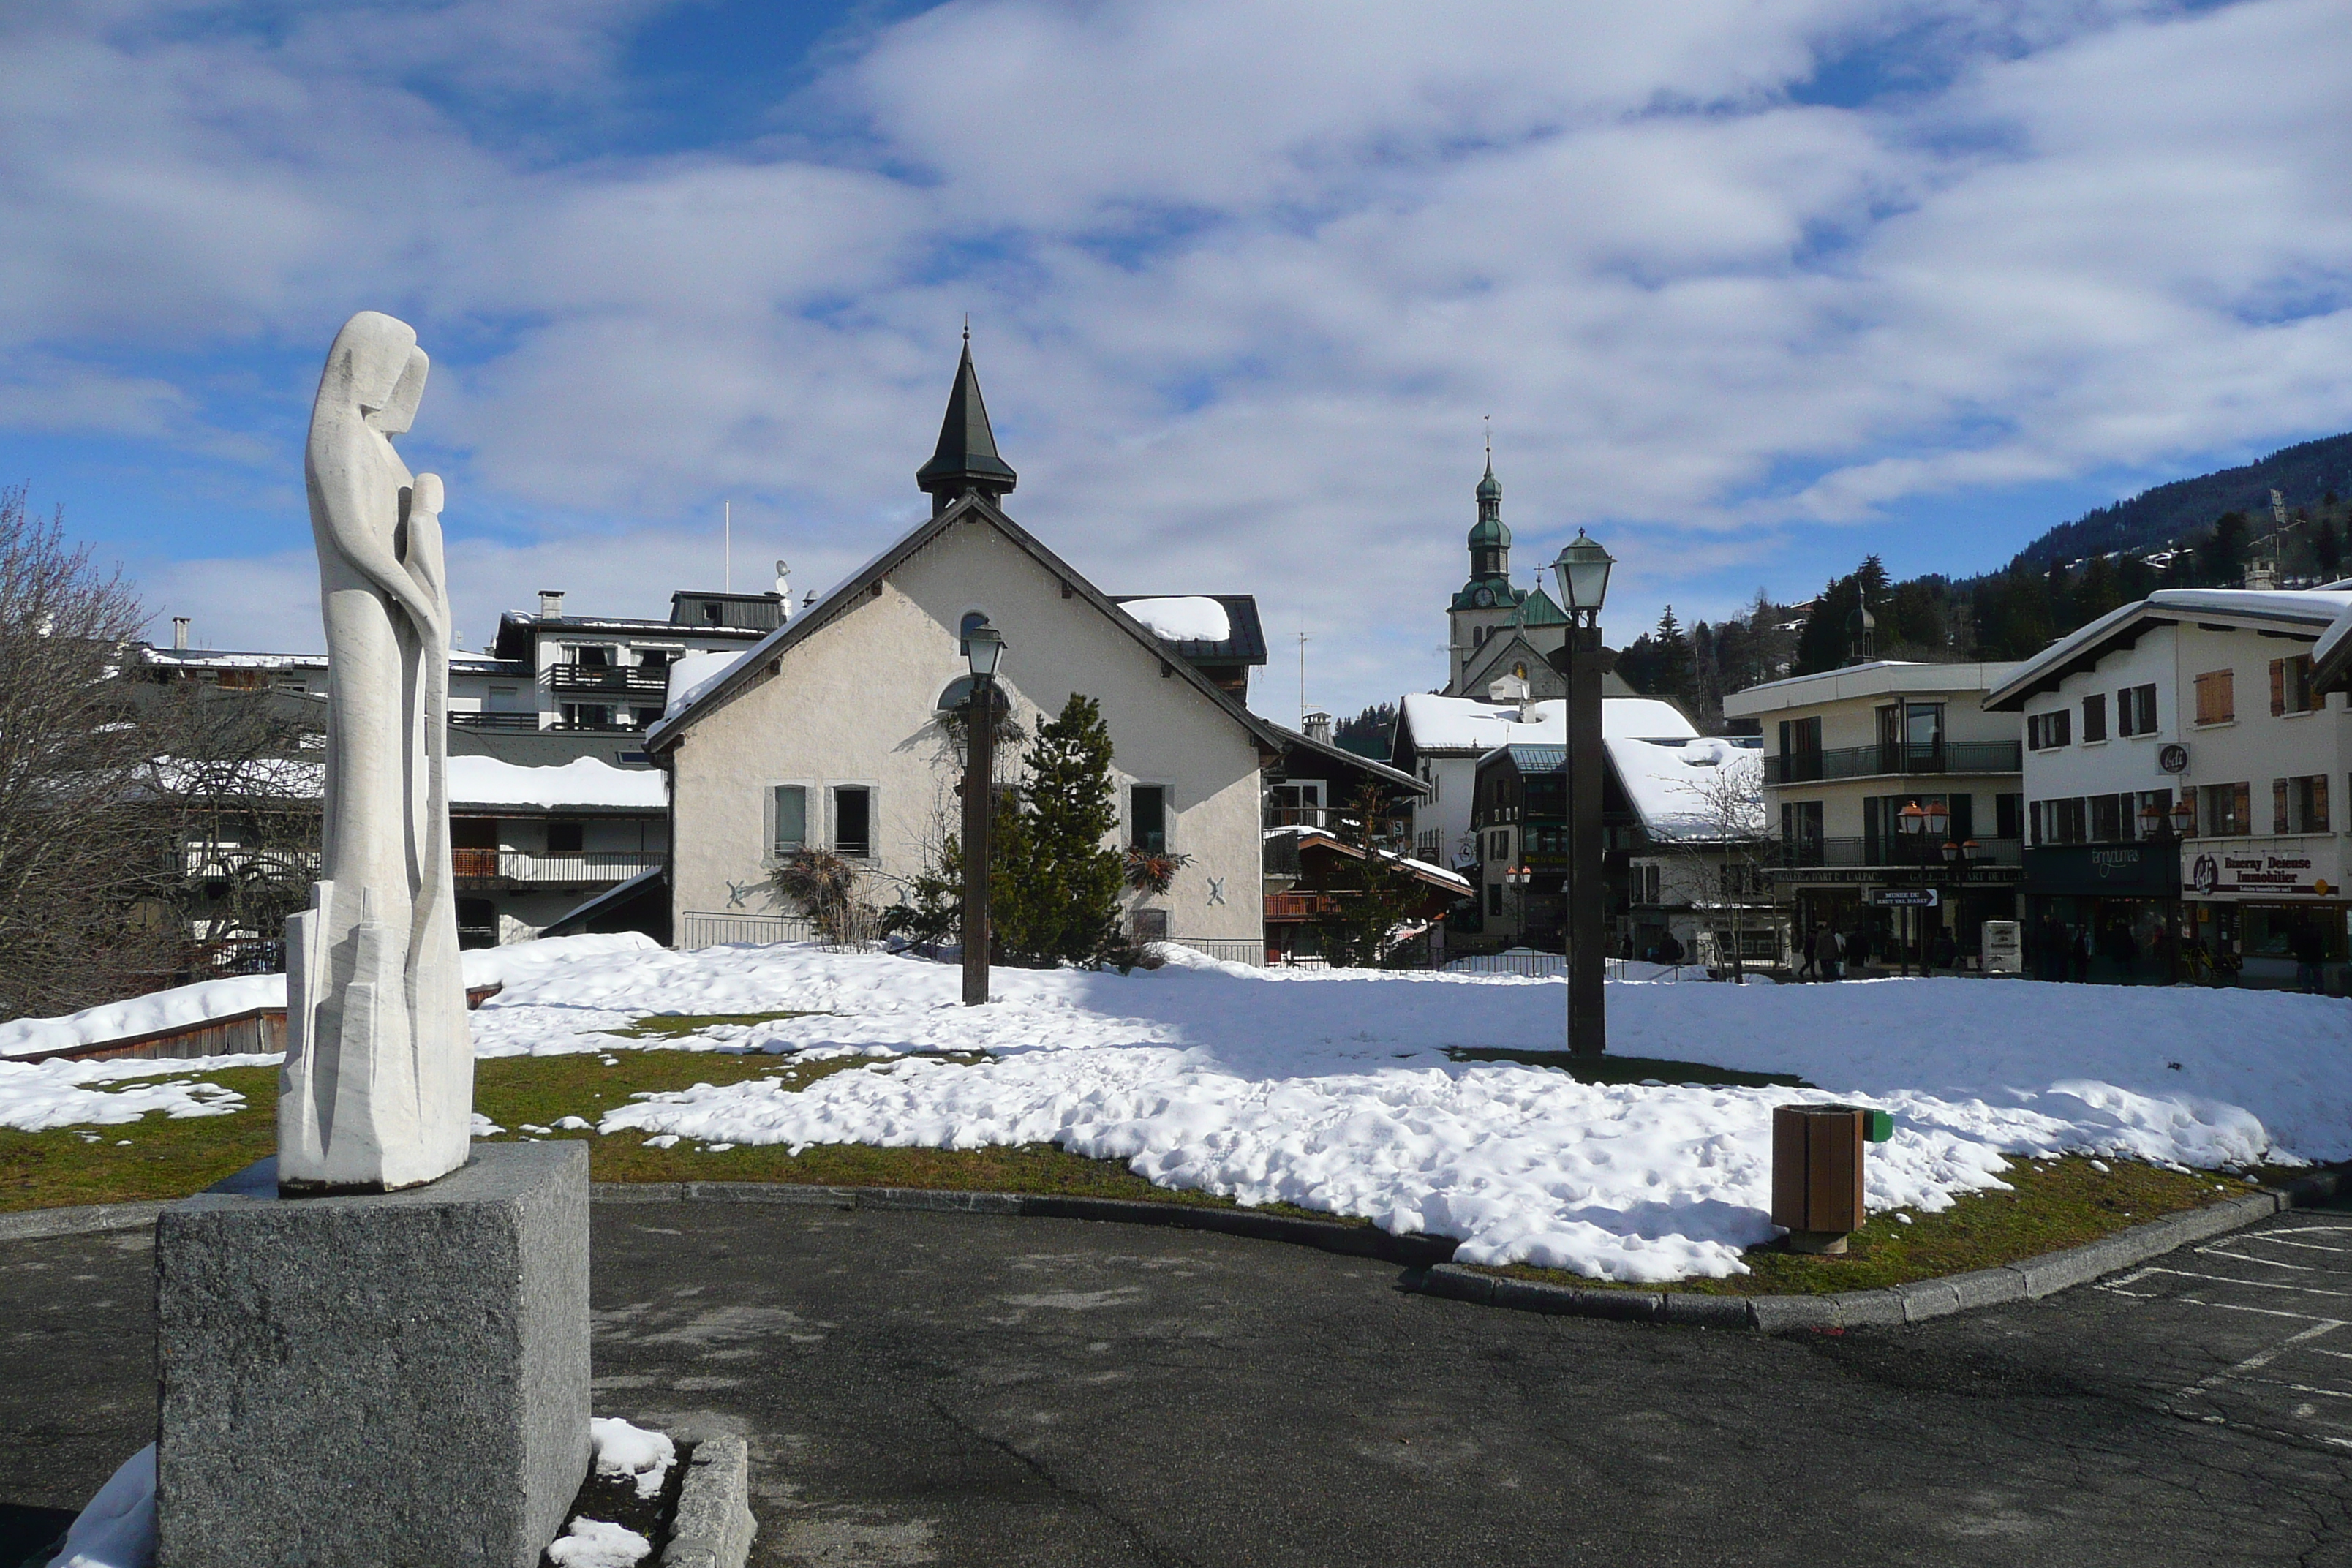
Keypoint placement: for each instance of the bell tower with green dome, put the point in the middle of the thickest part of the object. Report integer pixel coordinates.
(1496, 628)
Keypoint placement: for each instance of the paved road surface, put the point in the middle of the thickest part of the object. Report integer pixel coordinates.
(923, 1388)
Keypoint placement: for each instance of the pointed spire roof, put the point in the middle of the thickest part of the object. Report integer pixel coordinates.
(967, 458)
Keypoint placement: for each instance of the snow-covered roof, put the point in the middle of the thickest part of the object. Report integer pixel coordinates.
(1877, 678)
(2334, 645)
(2312, 611)
(1465, 724)
(210, 658)
(691, 674)
(1695, 791)
(1185, 619)
(583, 782)
(1325, 837)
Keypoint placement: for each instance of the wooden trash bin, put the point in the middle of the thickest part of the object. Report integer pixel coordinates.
(1817, 1171)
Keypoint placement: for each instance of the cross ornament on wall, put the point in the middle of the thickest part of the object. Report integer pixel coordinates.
(1216, 889)
(738, 891)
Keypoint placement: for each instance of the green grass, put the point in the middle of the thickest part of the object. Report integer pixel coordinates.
(678, 1025)
(1628, 1070)
(168, 1159)
(2055, 1203)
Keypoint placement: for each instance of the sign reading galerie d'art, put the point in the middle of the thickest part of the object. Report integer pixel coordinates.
(2216, 872)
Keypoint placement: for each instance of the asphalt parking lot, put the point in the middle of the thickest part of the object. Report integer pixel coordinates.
(926, 1388)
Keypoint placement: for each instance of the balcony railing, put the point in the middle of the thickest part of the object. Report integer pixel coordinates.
(576, 866)
(494, 720)
(209, 862)
(1866, 762)
(1884, 853)
(618, 682)
(1300, 906)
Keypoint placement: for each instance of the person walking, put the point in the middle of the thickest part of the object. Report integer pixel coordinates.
(2309, 951)
(1827, 950)
(1805, 966)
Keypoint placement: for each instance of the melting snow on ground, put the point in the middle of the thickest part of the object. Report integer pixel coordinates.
(1333, 1091)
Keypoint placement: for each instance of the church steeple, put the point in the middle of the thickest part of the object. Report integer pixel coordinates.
(967, 460)
(1490, 541)
(1490, 548)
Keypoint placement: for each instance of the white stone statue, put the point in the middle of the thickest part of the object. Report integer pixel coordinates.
(378, 1087)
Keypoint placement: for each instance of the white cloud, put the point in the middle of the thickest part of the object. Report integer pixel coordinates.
(1244, 276)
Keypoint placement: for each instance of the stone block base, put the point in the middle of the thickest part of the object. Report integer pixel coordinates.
(399, 1379)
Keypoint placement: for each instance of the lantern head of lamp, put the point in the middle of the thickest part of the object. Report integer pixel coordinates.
(1911, 819)
(2184, 815)
(984, 646)
(1952, 851)
(1581, 569)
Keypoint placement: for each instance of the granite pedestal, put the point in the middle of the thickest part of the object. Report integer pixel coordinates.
(398, 1379)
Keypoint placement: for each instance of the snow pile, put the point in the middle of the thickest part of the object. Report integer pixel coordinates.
(625, 1450)
(118, 1529)
(583, 781)
(40, 1097)
(184, 1006)
(1331, 1090)
(1189, 619)
(593, 1543)
(153, 1014)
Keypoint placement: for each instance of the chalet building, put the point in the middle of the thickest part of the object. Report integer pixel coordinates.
(1681, 829)
(1309, 881)
(1441, 741)
(2184, 778)
(1847, 753)
(839, 730)
(1698, 868)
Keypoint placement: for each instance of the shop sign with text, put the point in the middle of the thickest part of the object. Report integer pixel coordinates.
(2213, 870)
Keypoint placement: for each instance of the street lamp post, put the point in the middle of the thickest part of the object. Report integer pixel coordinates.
(983, 646)
(1582, 573)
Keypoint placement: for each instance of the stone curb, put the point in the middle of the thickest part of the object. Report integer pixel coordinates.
(2028, 1279)
(713, 1527)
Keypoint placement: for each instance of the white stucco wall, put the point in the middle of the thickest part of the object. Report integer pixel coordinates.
(853, 703)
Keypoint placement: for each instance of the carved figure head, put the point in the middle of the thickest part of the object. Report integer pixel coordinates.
(376, 367)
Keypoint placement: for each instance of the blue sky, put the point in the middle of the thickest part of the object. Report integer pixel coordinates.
(1749, 289)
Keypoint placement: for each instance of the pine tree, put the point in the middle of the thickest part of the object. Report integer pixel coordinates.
(2327, 547)
(1059, 883)
(1673, 669)
(2222, 557)
(1054, 889)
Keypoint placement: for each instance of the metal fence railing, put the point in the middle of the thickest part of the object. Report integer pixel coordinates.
(699, 929)
(1225, 950)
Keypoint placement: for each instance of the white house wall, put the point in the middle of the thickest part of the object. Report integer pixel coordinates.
(854, 703)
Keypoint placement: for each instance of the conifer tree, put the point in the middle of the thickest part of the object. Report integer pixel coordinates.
(1060, 881)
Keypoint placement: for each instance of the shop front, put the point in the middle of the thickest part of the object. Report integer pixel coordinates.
(2260, 909)
(2105, 912)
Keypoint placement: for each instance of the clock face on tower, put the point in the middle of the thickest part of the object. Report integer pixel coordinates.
(1484, 598)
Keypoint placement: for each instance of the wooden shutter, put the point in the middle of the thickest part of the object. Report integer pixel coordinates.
(2318, 822)
(2278, 802)
(2278, 690)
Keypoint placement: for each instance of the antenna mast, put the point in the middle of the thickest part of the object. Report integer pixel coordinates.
(727, 513)
(1302, 679)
